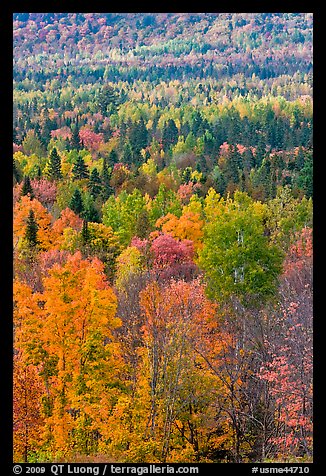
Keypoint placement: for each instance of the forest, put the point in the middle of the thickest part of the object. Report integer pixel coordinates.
(163, 216)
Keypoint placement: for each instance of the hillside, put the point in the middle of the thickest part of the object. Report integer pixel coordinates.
(163, 195)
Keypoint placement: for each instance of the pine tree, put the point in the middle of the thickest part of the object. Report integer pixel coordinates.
(113, 158)
(85, 233)
(76, 202)
(27, 187)
(170, 134)
(16, 172)
(75, 140)
(80, 170)
(54, 166)
(31, 230)
(95, 183)
(90, 212)
(127, 154)
(107, 190)
(107, 100)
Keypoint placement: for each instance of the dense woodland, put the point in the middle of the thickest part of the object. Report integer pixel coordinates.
(162, 187)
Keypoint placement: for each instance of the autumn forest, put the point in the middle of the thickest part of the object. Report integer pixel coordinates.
(163, 195)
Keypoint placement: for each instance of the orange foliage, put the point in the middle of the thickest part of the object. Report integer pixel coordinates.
(188, 227)
(43, 219)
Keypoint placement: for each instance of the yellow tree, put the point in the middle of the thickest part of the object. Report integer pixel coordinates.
(43, 219)
(188, 227)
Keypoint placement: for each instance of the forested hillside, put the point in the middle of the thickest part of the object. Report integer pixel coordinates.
(162, 186)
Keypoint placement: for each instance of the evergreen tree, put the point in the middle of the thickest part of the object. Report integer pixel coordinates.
(16, 172)
(27, 187)
(54, 166)
(80, 169)
(95, 183)
(31, 230)
(113, 158)
(107, 190)
(75, 140)
(107, 100)
(233, 164)
(76, 202)
(90, 213)
(299, 160)
(170, 134)
(138, 137)
(127, 154)
(85, 233)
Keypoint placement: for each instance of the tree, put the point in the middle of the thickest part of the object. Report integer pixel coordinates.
(188, 227)
(237, 257)
(27, 187)
(76, 203)
(95, 184)
(54, 171)
(31, 230)
(75, 140)
(73, 330)
(80, 169)
(32, 145)
(107, 190)
(113, 159)
(107, 100)
(170, 134)
(288, 367)
(127, 154)
(175, 317)
(43, 218)
(28, 419)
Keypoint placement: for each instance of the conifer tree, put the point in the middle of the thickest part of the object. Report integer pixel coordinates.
(95, 183)
(75, 140)
(127, 154)
(54, 166)
(113, 158)
(80, 170)
(31, 230)
(85, 233)
(107, 190)
(76, 202)
(27, 187)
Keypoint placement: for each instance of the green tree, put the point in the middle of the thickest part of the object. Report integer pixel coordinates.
(27, 187)
(31, 230)
(170, 134)
(80, 169)
(107, 100)
(237, 257)
(90, 212)
(127, 154)
(54, 165)
(107, 190)
(75, 139)
(95, 183)
(113, 158)
(76, 202)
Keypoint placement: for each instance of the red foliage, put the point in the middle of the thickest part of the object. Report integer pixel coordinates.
(91, 140)
(44, 191)
(168, 251)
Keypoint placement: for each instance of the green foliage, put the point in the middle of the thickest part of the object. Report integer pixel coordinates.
(76, 203)
(237, 257)
(80, 170)
(31, 230)
(53, 170)
(27, 187)
(122, 213)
